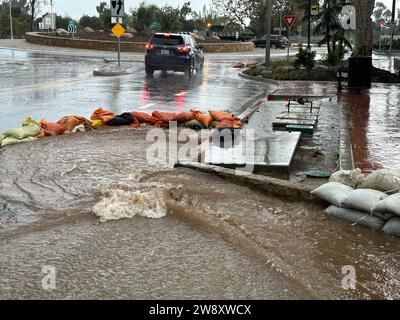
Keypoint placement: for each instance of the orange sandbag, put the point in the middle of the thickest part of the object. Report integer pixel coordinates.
(221, 116)
(52, 129)
(135, 123)
(203, 118)
(71, 122)
(185, 116)
(164, 116)
(162, 124)
(41, 134)
(104, 115)
(230, 124)
(143, 117)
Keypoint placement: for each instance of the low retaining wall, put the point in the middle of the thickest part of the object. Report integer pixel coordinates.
(36, 38)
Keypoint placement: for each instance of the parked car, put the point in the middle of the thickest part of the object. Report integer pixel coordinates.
(279, 42)
(175, 52)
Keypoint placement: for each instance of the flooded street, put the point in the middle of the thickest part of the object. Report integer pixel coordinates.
(217, 241)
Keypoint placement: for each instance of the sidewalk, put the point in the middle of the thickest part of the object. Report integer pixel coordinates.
(374, 117)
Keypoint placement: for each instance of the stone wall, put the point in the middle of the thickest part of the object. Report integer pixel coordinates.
(36, 38)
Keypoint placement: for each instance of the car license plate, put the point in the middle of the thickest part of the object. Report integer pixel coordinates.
(164, 52)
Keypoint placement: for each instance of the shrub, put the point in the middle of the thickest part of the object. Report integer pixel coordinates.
(332, 58)
(305, 59)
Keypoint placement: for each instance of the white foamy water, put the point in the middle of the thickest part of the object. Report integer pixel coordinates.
(120, 204)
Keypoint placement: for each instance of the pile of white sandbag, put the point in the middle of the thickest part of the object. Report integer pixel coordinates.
(372, 201)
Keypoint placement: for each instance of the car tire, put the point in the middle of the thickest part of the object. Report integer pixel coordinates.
(149, 71)
(189, 71)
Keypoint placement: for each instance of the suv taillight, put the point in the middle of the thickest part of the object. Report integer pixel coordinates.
(184, 49)
(149, 46)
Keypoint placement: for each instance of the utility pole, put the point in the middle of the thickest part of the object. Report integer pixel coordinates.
(268, 20)
(11, 22)
(392, 25)
(280, 20)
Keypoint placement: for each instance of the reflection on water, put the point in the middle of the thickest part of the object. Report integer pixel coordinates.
(375, 119)
(217, 241)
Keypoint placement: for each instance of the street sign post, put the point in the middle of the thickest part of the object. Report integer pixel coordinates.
(118, 31)
(289, 20)
(118, 13)
(72, 28)
(382, 26)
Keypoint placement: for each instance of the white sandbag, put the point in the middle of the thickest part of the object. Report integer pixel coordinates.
(384, 216)
(390, 205)
(363, 200)
(382, 180)
(333, 192)
(350, 178)
(356, 217)
(392, 227)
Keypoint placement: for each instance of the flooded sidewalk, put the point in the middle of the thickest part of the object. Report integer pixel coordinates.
(375, 126)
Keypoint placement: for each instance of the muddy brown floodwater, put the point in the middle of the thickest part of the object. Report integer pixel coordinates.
(218, 240)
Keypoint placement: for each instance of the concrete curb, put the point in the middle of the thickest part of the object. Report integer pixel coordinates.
(272, 186)
(101, 73)
(258, 79)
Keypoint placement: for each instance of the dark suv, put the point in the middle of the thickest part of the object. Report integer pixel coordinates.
(176, 52)
(279, 42)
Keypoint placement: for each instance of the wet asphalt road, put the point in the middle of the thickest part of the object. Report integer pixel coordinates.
(50, 86)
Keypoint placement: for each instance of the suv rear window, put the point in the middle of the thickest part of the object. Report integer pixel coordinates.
(167, 40)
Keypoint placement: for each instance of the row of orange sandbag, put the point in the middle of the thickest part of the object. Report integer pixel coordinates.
(221, 120)
(101, 117)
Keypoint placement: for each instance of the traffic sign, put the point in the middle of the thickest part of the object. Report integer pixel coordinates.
(154, 26)
(117, 8)
(314, 10)
(118, 30)
(71, 28)
(289, 20)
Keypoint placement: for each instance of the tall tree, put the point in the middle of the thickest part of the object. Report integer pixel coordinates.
(364, 40)
(33, 9)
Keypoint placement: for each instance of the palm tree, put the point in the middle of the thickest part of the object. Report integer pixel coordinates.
(329, 25)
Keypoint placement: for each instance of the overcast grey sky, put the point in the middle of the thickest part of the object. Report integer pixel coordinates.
(76, 8)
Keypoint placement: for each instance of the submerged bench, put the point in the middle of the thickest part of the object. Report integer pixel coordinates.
(305, 129)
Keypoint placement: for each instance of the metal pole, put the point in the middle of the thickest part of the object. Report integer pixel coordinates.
(380, 40)
(289, 44)
(119, 52)
(11, 22)
(268, 19)
(280, 21)
(392, 25)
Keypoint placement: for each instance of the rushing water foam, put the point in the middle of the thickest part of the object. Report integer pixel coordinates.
(120, 204)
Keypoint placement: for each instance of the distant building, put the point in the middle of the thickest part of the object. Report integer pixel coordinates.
(48, 22)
